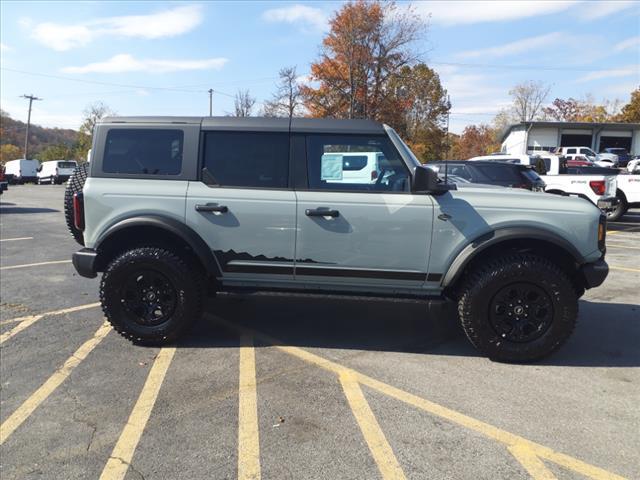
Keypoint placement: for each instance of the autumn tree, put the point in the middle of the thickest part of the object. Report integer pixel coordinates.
(368, 44)
(287, 100)
(9, 152)
(631, 111)
(528, 98)
(475, 140)
(243, 103)
(583, 110)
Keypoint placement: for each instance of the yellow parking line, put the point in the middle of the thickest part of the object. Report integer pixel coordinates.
(118, 463)
(620, 245)
(625, 269)
(12, 267)
(248, 431)
(371, 431)
(531, 463)
(31, 319)
(495, 433)
(15, 239)
(26, 409)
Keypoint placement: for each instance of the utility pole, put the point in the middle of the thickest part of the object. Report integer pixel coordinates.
(26, 138)
(210, 102)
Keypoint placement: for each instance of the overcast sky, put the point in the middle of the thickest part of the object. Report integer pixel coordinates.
(159, 58)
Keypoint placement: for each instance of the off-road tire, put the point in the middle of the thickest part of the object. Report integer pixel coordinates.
(74, 185)
(620, 210)
(483, 283)
(188, 283)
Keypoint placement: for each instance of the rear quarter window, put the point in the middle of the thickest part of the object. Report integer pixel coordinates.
(143, 151)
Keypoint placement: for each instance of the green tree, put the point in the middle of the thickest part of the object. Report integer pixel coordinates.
(56, 152)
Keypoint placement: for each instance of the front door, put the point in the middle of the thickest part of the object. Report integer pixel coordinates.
(373, 235)
(243, 207)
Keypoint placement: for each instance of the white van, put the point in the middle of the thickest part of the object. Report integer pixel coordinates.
(351, 167)
(21, 170)
(56, 171)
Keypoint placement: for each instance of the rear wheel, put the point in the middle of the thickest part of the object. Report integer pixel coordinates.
(518, 308)
(74, 185)
(620, 210)
(151, 296)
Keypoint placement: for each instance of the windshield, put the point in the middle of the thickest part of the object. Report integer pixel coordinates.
(66, 164)
(405, 151)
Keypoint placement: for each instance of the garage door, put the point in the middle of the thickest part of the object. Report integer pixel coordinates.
(612, 139)
(542, 139)
(576, 138)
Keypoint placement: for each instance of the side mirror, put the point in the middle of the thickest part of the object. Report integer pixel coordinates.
(39, 169)
(426, 180)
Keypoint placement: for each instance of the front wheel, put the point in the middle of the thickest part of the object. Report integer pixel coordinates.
(518, 308)
(151, 296)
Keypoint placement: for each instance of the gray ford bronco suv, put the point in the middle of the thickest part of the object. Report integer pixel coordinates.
(170, 208)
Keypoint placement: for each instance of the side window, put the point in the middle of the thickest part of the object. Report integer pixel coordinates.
(143, 151)
(355, 163)
(571, 151)
(248, 159)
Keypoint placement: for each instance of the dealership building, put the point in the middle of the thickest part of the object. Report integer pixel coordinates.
(529, 137)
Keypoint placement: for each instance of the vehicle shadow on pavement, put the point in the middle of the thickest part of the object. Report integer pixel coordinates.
(606, 335)
(5, 210)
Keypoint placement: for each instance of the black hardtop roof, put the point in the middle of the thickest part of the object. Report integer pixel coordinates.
(316, 125)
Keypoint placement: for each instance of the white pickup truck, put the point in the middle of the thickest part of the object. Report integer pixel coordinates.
(598, 188)
(627, 189)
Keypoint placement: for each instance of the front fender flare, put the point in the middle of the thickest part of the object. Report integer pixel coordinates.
(489, 239)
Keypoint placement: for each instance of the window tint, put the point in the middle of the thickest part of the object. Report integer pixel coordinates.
(571, 150)
(248, 159)
(143, 151)
(531, 175)
(383, 170)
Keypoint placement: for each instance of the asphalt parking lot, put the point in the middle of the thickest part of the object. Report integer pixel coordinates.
(284, 386)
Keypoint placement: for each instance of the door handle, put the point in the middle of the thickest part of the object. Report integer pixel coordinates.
(212, 208)
(321, 212)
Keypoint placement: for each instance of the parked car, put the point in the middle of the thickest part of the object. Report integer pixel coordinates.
(571, 153)
(22, 171)
(532, 160)
(173, 208)
(4, 185)
(580, 161)
(599, 189)
(621, 153)
(357, 167)
(634, 165)
(56, 171)
(504, 174)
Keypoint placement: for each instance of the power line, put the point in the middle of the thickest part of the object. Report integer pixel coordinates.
(520, 67)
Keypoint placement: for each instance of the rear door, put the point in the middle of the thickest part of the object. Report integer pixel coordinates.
(369, 235)
(242, 205)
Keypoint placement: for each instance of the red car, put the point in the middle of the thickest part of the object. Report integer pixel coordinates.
(579, 162)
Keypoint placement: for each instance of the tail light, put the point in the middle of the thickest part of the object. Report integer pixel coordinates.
(78, 211)
(602, 233)
(598, 187)
(374, 174)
